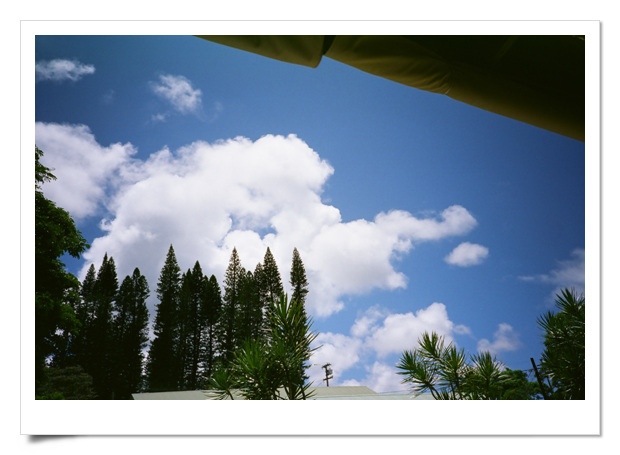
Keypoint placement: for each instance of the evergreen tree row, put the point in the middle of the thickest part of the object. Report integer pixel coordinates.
(91, 337)
(198, 327)
(112, 331)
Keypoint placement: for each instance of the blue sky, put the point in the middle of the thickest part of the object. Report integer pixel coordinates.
(411, 211)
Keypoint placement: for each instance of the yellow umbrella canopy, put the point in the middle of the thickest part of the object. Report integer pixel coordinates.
(539, 80)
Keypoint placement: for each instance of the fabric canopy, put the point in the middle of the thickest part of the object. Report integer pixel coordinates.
(539, 80)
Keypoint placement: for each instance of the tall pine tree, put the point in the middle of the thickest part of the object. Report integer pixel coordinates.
(77, 341)
(191, 325)
(164, 371)
(270, 287)
(130, 335)
(299, 282)
(211, 309)
(251, 314)
(299, 285)
(183, 326)
(100, 333)
(228, 329)
(272, 281)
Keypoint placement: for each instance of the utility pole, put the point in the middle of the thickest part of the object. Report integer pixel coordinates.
(328, 373)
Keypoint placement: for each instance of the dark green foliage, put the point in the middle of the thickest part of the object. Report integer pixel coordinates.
(130, 330)
(251, 313)
(55, 288)
(228, 328)
(271, 368)
(81, 347)
(94, 334)
(299, 282)
(71, 383)
(191, 325)
(564, 360)
(271, 283)
(100, 333)
(164, 369)
(183, 326)
(514, 385)
(444, 371)
(212, 305)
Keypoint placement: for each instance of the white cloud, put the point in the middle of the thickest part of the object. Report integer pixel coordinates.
(159, 118)
(341, 351)
(467, 254)
(59, 70)
(383, 378)
(83, 168)
(206, 199)
(504, 339)
(380, 335)
(570, 273)
(366, 323)
(179, 92)
(401, 331)
(358, 256)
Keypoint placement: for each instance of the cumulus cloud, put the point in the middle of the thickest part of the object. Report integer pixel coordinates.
(467, 254)
(340, 350)
(383, 378)
(85, 170)
(401, 331)
(206, 198)
(504, 339)
(569, 273)
(179, 92)
(60, 70)
(380, 335)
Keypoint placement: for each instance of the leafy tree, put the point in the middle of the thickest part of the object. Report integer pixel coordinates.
(70, 383)
(63, 355)
(271, 368)
(514, 385)
(443, 371)
(563, 359)
(55, 236)
(164, 372)
(299, 282)
(130, 329)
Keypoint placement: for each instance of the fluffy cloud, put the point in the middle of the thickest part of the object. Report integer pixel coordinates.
(381, 335)
(504, 339)
(569, 273)
(341, 351)
(85, 170)
(179, 92)
(205, 199)
(59, 70)
(402, 331)
(467, 254)
(383, 378)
